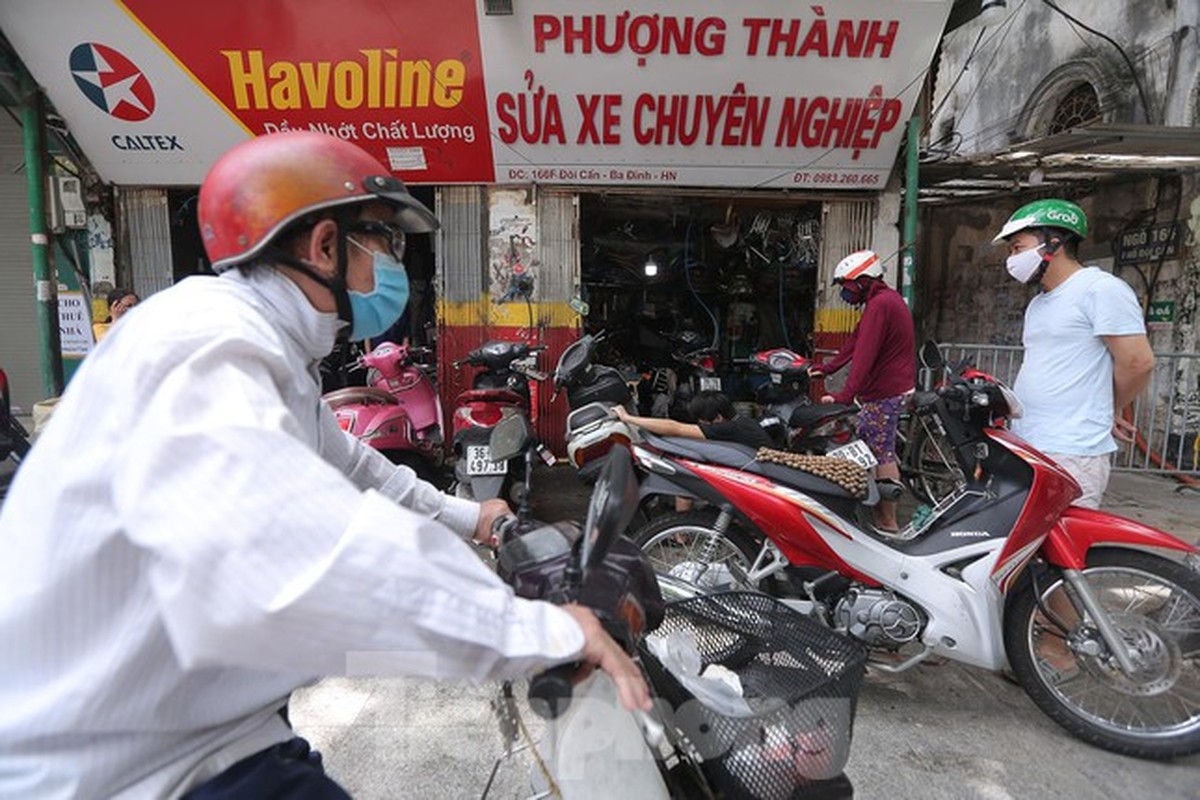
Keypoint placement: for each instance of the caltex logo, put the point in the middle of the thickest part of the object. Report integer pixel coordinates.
(112, 82)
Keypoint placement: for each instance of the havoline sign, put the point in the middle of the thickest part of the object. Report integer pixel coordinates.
(742, 93)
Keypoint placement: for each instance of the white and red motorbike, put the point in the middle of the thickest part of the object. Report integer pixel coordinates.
(1098, 616)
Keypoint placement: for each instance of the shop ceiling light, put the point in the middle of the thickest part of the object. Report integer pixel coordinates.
(651, 267)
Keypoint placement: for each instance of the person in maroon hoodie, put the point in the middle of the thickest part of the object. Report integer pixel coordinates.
(883, 368)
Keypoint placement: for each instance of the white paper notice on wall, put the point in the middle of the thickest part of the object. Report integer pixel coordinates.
(402, 158)
(74, 324)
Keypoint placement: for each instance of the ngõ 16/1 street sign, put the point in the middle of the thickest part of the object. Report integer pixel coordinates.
(1145, 245)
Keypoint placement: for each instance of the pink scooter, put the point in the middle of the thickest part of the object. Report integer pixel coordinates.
(397, 412)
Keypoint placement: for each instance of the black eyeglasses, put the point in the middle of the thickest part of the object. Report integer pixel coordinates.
(389, 232)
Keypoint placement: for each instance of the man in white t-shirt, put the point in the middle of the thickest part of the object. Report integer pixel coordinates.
(1086, 352)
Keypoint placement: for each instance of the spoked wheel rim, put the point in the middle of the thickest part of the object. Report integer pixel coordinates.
(937, 475)
(1160, 624)
(687, 554)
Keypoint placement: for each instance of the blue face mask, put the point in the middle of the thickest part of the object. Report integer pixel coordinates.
(852, 293)
(376, 311)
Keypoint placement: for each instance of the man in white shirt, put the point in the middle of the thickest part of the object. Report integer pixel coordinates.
(1086, 352)
(193, 536)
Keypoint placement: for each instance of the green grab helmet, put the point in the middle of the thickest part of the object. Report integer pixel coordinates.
(1045, 214)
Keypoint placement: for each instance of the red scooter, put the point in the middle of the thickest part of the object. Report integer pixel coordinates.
(499, 391)
(1098, 616)
(397, 412)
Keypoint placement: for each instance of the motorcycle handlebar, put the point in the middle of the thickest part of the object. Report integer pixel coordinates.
(503, 528)
(550, 691)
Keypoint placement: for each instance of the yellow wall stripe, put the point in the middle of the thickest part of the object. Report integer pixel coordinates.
(836, 320)
(514, 314)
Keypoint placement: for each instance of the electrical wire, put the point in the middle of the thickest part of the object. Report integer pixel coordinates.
(1125, 56)
(958, 77)
(787, 338)
(1007, 28)
(687, 275)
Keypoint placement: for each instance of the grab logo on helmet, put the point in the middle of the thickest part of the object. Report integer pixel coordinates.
(1064, 215)
(112, 82)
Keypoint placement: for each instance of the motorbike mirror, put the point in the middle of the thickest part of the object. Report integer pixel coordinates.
(614, 501)
(509, 437)
(931, 355)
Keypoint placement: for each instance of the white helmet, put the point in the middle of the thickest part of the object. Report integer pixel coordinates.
(858, 264)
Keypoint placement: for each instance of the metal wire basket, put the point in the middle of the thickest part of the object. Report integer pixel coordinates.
(783, 726)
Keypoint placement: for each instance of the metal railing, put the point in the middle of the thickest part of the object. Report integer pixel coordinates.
(1166, 414)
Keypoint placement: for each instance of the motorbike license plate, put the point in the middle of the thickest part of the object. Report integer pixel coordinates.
(479, 461)
(856, 451)
(710, 384)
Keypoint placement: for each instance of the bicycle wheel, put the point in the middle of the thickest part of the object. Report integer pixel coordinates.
(929, 468)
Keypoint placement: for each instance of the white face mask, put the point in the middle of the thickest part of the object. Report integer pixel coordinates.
(1024, 265)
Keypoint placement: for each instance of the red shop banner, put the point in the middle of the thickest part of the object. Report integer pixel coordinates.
(746, 93)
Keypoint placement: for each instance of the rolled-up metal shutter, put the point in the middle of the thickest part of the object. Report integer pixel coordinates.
(847, 225)
(145, 239)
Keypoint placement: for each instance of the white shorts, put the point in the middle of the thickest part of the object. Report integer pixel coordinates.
(1090, 472)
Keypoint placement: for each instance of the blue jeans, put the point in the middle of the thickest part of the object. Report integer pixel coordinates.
(290, 770)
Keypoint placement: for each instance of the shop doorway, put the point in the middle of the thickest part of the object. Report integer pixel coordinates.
(662, 274)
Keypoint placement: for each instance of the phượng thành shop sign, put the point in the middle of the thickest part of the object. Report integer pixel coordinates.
(746, 93)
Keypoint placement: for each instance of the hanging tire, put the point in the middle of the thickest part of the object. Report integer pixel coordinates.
(1154, 604)
(678, 546)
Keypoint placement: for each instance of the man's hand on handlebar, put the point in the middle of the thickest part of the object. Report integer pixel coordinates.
(489, 511)
(602, 651)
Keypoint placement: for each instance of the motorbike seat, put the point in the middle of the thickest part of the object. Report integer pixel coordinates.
(586, 415)
(806, 416)
(366, 395)
(490, 396)
(739, 456)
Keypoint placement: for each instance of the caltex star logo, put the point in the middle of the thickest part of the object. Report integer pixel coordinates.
(112, 82)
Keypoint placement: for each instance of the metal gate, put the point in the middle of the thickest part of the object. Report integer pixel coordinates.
(1166, 414)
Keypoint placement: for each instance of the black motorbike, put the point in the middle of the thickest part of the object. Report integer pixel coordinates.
(592, 392)
(789, 415)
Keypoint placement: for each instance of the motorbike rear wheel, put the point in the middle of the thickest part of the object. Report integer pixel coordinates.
(681, 546)
(928, 465)
(1154, 604)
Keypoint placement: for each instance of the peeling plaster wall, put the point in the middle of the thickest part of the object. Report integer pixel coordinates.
(1034, 52)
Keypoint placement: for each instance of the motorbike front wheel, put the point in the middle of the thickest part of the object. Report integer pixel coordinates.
(686, 547)
(1154, 604)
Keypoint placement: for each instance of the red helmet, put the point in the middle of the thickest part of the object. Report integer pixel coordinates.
(259, 187)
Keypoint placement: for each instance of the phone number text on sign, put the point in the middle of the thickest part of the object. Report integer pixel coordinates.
(836, 178)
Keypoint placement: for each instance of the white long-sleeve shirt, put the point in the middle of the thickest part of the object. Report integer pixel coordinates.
(193, 536)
